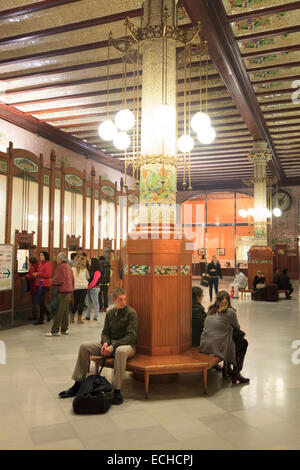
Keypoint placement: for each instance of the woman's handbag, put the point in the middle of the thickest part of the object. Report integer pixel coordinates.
(204, 280)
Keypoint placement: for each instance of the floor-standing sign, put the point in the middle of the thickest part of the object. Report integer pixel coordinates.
(7, 274)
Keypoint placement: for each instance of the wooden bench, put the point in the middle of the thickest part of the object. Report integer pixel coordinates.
(245, 291)
(190, 361)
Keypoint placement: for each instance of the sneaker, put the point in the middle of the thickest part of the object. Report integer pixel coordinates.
(95, 319)
(86, 318)
(65, 332)
(117, 399)
(52, 334)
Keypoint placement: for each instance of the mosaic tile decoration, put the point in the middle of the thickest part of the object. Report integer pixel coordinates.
(262, 261)
(125, 269)
(57, 183)
(47, 180)
(89, 191)
(185, 270)
(3, 166)
(165, 270)
(140, 269)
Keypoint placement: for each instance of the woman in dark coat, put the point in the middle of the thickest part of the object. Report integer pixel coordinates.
(198, 315)
(217, 336)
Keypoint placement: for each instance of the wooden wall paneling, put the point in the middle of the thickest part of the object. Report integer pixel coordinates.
(9, 189)
(51, 204)
(62, 207)
(40, 204)
(84, 211)
(165, 314)
(92, 234)
(138, 289)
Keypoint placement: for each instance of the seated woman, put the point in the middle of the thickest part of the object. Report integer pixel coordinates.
(223, 337)
(198, 315)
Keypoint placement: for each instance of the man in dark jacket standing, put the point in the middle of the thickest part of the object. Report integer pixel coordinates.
(119, 337)
(104, 282)
(214, 272)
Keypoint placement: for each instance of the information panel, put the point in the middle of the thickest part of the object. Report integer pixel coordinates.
(6, 267)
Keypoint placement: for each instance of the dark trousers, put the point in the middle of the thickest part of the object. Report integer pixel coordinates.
(79, 299)
(103, 296)
(34, 306)
(211, 283)
(289, 291)
(43, 308)
(241, 346)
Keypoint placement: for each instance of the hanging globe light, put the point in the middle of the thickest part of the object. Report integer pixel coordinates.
(243, 213)
(277, 212)
(122, 141)
(107, 130)
(185, 143)
(200, 121)
(124, 120)
(165, 114)
(207, 135)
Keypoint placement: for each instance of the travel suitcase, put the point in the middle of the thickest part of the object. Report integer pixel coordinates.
(271, 293)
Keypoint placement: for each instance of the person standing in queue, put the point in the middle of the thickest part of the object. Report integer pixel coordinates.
(214, 272)
(43, 284)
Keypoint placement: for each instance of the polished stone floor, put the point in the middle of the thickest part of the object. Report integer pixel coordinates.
(262, 415)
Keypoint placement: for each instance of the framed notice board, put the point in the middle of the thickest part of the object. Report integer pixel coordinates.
(6, 267)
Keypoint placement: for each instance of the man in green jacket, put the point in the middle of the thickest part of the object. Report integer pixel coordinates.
(119, 337)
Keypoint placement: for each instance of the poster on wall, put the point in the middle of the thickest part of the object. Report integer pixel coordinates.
(6, 267)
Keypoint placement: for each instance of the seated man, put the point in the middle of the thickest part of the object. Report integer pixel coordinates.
(259, 281)
(119, 336)
(284, 284)
(240, 282)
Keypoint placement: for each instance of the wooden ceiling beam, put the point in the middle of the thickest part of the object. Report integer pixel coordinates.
(224, 52)
(269, 33)
(247, 15)
(266, 68)
(57, 136)
(32, 8)
(276, 50)
(129, 89)
(120, 16)
(117, 103)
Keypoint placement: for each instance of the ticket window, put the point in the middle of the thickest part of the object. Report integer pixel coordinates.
(24, 250)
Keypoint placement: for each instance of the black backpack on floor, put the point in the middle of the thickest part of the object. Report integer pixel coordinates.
(91, 396)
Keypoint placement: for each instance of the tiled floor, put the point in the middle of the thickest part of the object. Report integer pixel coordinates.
(262, 415)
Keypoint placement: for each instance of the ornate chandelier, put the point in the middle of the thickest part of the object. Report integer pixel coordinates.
(165, 115)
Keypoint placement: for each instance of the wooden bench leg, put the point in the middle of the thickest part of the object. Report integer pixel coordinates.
(205, 380)
(146, 381)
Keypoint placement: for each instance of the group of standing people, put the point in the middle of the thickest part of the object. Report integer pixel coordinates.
(73, 282)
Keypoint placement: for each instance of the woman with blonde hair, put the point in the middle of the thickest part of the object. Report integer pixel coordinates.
(222, 336)
(81, 277)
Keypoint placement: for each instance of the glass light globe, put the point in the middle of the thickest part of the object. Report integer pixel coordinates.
(277, 212)
(200, 121)
(122, 141)
(185, 143)
(107, 130)
(242, 213)
(164, 114)
(268, 213)
(124, 120)
(207, 135)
